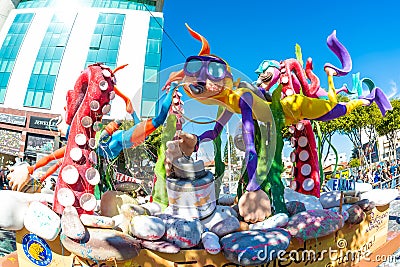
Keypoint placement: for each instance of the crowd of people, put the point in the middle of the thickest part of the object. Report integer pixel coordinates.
(382, 175)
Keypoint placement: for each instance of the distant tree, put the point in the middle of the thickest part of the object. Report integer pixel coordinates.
(328, 129)
(389, 125)
(352, 126)
(374, 119)
(132, 159)
(286, 134)
(353, 163)
(153, 142)
(234, 156)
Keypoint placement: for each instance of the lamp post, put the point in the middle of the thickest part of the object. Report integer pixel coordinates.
(229, 157)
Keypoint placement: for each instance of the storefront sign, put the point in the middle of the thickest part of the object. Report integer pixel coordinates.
(39, 144)
(49, 124)
(10, 142)
(12, 119)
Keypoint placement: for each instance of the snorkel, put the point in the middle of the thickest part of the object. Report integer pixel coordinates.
(204, 75)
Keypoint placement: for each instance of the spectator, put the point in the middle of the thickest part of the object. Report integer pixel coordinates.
(6, 172)
(369, 176)
(360, 176)
(393, 167)
(226, 188)
(2, 178)
(398, 166)
(377, 176)
(396, 178)
(385, 178)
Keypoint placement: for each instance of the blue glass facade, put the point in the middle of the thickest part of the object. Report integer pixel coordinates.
(43, 78)
(106, 38)
(151, 78)
(10, 49)
(38, 91)
(123, 4)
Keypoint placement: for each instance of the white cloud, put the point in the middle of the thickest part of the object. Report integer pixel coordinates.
(393, 89)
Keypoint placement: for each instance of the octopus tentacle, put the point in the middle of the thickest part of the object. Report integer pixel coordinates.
(93, 89)
(315, 83)
(341, 52)
(305, 156)
(289, 81)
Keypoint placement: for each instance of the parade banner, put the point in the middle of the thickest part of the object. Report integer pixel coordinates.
(120, 177)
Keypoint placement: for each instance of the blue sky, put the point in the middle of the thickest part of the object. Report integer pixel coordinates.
(246, 32)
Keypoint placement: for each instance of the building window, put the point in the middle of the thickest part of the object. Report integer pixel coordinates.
(106, 39)
(44, 74)
(123, 4)
(151, 79)
(148, 108)
(10, 49)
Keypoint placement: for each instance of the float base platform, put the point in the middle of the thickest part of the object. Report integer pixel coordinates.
(365, 244)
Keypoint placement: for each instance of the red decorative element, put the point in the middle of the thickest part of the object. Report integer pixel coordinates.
(296, 80)
(177, 109)
(301, 132)
(86, 89)
(315, 84)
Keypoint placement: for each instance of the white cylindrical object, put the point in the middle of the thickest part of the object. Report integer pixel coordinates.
(304, 155)
(94, 105)
(293, 142)
(211, 242)
(92, 176)
(80, 139)
(293, 156)
(303, 141)
(306, 169)
(70, 174)
(75, 154)
(294, 171)
(65, 197)
(300, 126)
(289, 92)
(308, 184)
(92, 143)
(103, 84)
(88, 202)
(106, 108)
(112, 95)
(106, 73)
(93, 157)
(194, 198)
(86, 121)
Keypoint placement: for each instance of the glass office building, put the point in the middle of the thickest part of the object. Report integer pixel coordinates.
(45, 44)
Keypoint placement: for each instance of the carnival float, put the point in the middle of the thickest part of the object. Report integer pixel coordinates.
(186, 222)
